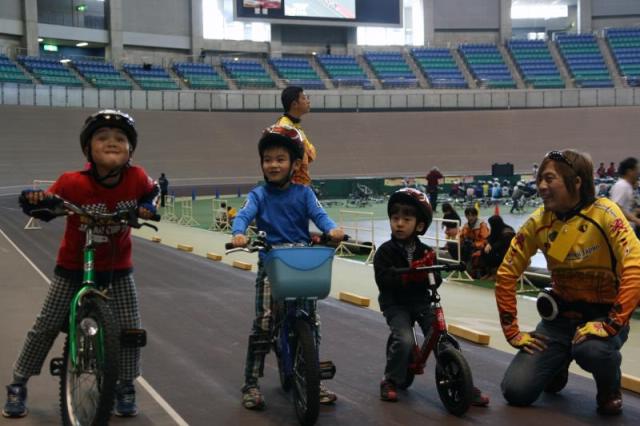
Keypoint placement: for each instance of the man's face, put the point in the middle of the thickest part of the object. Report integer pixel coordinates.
(302, 104)
(553, 191)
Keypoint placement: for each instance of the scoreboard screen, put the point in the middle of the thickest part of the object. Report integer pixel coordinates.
(321, 12)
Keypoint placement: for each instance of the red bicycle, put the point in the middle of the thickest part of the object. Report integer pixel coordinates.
(453, 374)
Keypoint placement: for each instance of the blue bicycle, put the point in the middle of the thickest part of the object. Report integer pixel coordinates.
(299, 276)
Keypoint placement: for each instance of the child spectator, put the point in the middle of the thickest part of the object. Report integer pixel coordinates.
(404, 298)
(108, 140)
(473, 238)
(282, 209)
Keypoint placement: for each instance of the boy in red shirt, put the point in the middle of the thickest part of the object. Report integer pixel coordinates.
(108, 140)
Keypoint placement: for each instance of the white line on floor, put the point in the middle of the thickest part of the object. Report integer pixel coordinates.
(155, 395)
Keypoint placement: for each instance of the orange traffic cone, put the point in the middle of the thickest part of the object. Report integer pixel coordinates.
(497, 210)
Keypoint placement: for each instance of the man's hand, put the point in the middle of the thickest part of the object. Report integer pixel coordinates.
(239, 240)
(487, 248)
(337, 234)
(590, 329)
(529, 342)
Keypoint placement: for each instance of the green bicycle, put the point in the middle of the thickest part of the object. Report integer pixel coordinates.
(88, 369)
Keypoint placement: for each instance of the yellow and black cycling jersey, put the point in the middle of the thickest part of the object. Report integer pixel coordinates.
(593, 257)
(301, 176)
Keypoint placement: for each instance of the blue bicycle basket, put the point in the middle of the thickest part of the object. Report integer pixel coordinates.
(296, 272)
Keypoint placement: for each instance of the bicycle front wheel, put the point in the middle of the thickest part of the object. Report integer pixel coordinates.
(454, 381)
(306, 375)
(87, 389)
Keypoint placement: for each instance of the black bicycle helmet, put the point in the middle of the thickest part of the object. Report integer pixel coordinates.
(109, 118)
(415, 198)
(285, 136)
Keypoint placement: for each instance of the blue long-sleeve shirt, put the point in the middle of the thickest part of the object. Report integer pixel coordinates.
(283, 214)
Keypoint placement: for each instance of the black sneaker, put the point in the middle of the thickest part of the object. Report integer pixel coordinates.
(125, 400)
(16, 405)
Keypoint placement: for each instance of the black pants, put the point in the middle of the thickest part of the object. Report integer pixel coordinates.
(163, 195)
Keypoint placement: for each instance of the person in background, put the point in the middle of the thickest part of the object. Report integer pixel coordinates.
(451, 229)
(164, 188)
(473, 238)
(601, 172)
(611, 170)
(296, 104)
(622, 192)
(433, 180)
(497, 245)
(595, 273)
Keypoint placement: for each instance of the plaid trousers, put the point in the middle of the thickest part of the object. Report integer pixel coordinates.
(263, 325)
(123, 303)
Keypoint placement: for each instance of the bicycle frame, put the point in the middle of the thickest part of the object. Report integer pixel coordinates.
(88, 288)
(438, 333)
(293, 310)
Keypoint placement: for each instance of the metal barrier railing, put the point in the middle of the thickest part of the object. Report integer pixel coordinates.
(351, 221)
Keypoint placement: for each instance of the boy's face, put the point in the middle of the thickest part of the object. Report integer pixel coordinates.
(404, 225)
(276, 164)
(109, 147)
(471, 218)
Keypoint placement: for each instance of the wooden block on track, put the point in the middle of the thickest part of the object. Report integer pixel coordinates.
(631, 383)
(469, 334)
(185, 247)
(242, 265)
(214, 256)
(156, 239)
(353, 299)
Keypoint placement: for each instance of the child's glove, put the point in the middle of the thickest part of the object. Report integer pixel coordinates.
(147, 210)
(31, 200)
(421, 277)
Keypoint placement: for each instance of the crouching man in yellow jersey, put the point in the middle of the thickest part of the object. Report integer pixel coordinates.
(594, 259)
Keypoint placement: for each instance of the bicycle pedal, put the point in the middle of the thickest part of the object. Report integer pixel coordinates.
(55, 366)
(133, 338)
(327, 370)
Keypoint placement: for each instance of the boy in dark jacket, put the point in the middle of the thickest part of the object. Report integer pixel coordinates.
(404, 298)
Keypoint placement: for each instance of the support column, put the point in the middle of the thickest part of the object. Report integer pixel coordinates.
(30, 35)
(115, 50)
(276, 41)
(352, 40)
(428, 13)
(584, 16)
(197, 24)
(505, 21)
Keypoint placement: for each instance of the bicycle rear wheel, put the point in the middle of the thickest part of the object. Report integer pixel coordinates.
(454, 381)
(87, 389)
(306, 375)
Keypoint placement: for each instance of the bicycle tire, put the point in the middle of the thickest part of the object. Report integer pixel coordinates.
(306, 375)
(79, 407)
(286, 380)
(410, 375)
(454, 381)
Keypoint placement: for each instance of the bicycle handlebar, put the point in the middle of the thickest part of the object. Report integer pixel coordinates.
(434, 268)
(260, 243)
(129, 216)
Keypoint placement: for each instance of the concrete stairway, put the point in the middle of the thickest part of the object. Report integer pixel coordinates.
(506, 56)
(611, 63)
(473, 84)
(557, 58)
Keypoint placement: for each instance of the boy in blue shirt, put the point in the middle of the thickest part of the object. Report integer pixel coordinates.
(283, 210)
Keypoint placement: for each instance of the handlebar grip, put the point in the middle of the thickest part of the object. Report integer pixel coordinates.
(228, 246)
(156, 217)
